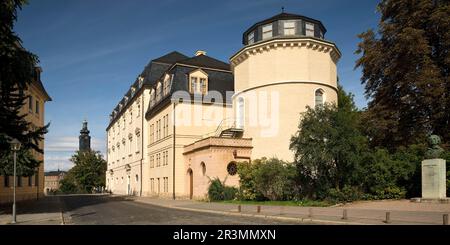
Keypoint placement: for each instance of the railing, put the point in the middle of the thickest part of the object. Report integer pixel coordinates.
(224, 124)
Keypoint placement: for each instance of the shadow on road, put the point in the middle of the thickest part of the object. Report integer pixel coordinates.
(53, 204)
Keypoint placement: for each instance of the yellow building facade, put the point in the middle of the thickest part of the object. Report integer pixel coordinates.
(29, 188)
(204, 116)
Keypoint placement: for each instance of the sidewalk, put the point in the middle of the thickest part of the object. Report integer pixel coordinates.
(45, 211)
(368, 214)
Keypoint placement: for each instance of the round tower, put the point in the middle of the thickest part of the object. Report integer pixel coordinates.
(285, 65)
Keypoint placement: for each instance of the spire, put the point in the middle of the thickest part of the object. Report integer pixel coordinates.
(85, 138)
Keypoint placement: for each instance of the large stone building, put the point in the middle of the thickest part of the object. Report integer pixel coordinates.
(29, 187)
(202, 116)
(52, 181)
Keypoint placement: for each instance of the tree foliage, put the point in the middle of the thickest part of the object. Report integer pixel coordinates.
(17, 71)
(267, 179)
(88, 173)
(218, 191)
(328, 147)
(405, 69)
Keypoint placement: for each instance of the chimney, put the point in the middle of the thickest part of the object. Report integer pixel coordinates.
(200, 52)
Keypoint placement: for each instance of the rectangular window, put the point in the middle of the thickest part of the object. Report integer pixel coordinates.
(289, 28)
(165, 158)
(151, 134)
(167, 124)
(251, 37)
(267, 31)
(152, 185)
(152, 161)
(30, 180)
(131, 116)
(164, 126)
(193, 87)
(309, 29)
(159, 129)
(138, 110)
(30, 103)
(138, 143)
(37, 107)
(203, 85)
(159, 188)
(6, 181)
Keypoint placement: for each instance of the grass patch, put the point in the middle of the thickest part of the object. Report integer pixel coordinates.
(303, 203)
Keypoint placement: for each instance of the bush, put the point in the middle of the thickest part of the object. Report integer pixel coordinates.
(264, 179)
(346, 194)
(217, 191)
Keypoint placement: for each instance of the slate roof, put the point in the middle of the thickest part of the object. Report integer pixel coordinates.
(220, 81)
(207, 62)
(151, 73)
(219, 73)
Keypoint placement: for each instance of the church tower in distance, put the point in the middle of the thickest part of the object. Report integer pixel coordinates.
(85, 139)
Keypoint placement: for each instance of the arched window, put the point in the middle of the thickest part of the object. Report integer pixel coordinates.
(240, 113)
(203, 166)
(319, 97)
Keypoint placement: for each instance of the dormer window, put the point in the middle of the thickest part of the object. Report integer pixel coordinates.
(158, 92)
(152, 98)
(251, 37)
(289, 27)
(167, 82)
(267, 31)
(198, 82)
(141, 81)
(309, 29)
(132, 91)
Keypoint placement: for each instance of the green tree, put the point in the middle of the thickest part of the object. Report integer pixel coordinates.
(17, 71)
(267, 179)
(89, 172)
(405, 66)
(328, 147)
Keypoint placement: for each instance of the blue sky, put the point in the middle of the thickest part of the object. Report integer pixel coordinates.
(91, 51)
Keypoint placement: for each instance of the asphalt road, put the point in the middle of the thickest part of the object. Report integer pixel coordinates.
(99, 210)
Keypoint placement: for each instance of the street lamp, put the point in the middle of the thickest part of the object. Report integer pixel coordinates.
(15, 146)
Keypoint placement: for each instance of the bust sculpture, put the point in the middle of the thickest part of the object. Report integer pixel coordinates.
(434, 151)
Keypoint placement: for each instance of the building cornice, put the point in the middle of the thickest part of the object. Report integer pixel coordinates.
(285, 82)
(284, 42)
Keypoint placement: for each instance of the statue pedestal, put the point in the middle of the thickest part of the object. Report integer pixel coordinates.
(433, 179)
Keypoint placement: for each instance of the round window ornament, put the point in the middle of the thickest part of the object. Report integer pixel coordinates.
(232, 168)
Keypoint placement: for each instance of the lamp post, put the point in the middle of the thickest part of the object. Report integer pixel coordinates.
(15, 146)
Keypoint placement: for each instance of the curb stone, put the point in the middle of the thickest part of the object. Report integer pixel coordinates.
(274, 217)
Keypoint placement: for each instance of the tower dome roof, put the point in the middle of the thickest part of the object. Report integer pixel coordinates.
(277, 21)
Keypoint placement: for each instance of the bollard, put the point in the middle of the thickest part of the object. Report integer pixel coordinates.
(310, 212)
(445, 219)
(258, 209)
(239, 208)
(344, 214)
(388, 218)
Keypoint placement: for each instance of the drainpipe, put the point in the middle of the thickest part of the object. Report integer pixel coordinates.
(173, 151)
(142, 139)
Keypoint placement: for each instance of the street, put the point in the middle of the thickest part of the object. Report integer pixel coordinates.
(106, 210)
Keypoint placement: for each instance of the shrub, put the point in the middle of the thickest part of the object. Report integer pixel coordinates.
(264, 179)
(346, 194)
(217, 191)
